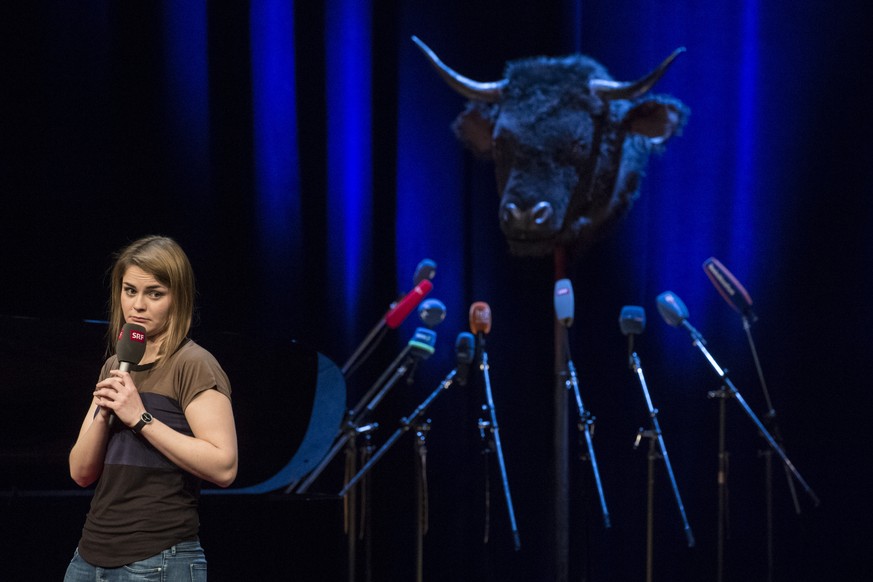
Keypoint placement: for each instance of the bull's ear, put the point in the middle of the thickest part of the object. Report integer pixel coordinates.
(474, 127)
(656, 120)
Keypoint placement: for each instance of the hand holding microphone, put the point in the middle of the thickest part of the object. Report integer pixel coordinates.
(130, 349)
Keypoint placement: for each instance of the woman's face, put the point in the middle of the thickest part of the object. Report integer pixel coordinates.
(145, 301)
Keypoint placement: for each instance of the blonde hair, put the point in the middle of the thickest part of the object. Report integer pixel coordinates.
(164, 259)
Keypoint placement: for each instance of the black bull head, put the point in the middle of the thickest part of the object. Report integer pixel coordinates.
(569, 144)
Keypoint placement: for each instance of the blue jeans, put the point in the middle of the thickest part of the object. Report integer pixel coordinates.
(184, 562)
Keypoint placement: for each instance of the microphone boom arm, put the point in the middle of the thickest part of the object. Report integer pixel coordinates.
(656, 430)
(495, 433)
(405, 425)
(732, 390)
(365, 406)
(367, 345)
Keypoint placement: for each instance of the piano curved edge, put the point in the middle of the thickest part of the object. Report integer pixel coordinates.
(328, 408)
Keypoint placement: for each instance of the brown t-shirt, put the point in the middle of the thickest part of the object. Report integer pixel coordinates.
(143, 503)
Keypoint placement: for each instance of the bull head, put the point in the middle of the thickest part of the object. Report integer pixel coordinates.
(568, 142)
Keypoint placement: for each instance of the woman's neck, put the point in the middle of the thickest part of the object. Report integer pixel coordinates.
(153, 348)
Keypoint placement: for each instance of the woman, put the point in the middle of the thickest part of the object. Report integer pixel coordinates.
(173, 426)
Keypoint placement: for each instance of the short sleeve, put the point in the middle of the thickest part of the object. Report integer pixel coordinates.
(198, 371)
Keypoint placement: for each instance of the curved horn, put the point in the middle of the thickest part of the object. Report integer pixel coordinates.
(473, 90)
(609, 90)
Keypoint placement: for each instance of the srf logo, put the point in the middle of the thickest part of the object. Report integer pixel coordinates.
(133, 335)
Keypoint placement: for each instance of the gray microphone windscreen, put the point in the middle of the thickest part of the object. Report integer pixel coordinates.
(671, 308)
(632, 320)
(565, 303)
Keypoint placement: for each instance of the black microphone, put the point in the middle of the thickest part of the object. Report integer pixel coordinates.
(632, 321)
(432, 312)
(131, 346)
(729, 288)
(420, 347)
(426, 269)
(674, 312)
(465, 352)
(564, 302)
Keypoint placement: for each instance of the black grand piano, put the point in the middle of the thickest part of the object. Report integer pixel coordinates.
(289, 401)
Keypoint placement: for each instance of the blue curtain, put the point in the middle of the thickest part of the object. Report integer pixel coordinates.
(302, 153)
(275, 158)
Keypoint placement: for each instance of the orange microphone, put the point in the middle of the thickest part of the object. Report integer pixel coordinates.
(480, 318)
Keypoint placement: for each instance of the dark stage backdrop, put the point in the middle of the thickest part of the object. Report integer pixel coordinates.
(301, 153)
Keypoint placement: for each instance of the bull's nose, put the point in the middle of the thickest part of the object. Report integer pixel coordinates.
(541, 213)
(535, 220)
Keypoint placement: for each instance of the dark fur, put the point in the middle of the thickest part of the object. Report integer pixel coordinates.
(541, 137)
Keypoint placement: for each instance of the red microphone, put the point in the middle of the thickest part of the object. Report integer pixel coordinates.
(404, 307)
(729, 288)
(480, 318)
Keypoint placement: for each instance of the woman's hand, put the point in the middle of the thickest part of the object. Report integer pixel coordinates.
(118, 394)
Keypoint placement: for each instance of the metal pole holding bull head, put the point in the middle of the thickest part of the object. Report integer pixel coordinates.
(570, 145)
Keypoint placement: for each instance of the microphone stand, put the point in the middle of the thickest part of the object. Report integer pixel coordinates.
(346, 438)
(655, 435)
(374, 337)
(494, 430)
(586, 427)
(770, 417)
(405, 424)
(422, 427)
(360, 412)
(728, 390)
(356, 508)
(421, 496)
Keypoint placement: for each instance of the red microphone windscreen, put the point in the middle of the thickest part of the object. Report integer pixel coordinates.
(404, 307)
(480, 318)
